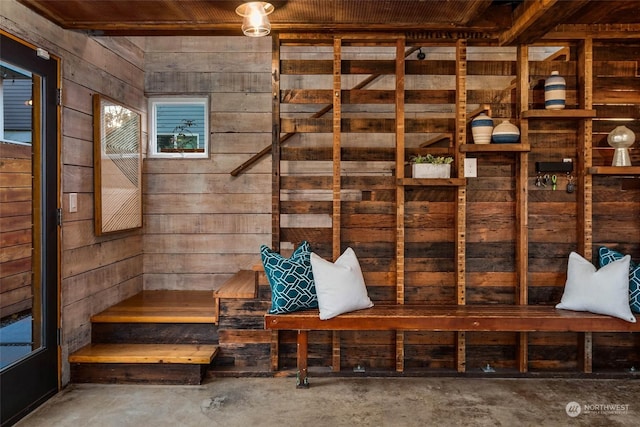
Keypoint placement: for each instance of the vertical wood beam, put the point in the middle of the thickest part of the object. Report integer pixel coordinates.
(585, 188)
(335, 353)
(337, 118)
(585, 352)
(400, 160)
(461, 200)
(275, 351)
(302, 343)
(275, 143)
(400, 148)
(585, 146)
(522, 200)
(400, 351)
(461, 351)
(461, 196)
(337, 130)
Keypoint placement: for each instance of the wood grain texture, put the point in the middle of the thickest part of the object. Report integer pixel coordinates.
(505, 318)
(162, 307)
(145, 353)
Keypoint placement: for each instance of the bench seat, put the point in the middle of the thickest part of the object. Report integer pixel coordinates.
(501, 318)
(486, 318)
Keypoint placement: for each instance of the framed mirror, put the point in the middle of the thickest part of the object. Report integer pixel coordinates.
(117, 161)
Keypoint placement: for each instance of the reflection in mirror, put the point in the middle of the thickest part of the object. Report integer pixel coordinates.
(117, 166)
(20, 319)
(179, 127)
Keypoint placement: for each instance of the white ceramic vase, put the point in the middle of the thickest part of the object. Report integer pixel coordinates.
(506, 133)
(481, 129)
(555, 92)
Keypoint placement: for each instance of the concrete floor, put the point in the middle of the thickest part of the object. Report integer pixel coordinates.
(334, 402)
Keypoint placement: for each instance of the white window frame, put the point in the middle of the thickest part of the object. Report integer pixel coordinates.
(154, 151)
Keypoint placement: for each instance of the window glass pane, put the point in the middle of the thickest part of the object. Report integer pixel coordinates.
(179, 127)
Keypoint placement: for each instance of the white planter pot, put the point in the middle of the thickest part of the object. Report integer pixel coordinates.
(430, 170)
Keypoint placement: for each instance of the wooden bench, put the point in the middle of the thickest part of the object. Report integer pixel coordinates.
(487, 318)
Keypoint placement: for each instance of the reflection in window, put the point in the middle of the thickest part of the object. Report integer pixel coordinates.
(15, 104)
(20, 320)
(179, 127)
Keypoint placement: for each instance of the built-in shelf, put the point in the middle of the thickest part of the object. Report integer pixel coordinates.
(559, 114)
(614, 170)
(494, 148)
(433, 182)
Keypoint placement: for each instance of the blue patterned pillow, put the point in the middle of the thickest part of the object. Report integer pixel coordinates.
(291, 279)
(607, 256)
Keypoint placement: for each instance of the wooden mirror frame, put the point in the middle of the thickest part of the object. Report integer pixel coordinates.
(117, 161)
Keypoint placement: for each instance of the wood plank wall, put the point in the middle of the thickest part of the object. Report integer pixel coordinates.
(96, 272)
(202, 225)
(16, 235)
(616, 200)
(368, 202)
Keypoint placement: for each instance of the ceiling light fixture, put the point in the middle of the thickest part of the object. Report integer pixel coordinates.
(255, 22)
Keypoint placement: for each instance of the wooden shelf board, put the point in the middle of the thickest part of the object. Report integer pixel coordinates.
(559, 114)
(615, 170)
(433, 182)
(493, 148)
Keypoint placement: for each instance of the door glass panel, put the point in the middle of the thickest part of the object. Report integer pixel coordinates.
(20, 302)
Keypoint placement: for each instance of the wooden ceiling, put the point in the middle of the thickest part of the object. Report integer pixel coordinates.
(505, 22)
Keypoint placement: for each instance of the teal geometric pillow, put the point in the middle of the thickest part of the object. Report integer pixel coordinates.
(291, 279)
(606, 256)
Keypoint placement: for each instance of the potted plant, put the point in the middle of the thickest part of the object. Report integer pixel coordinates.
(181, 139)
(431, 166)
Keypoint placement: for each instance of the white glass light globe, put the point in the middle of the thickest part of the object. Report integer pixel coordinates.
(621, 138)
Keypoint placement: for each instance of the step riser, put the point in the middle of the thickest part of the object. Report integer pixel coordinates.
(154, 333)
(126, 373)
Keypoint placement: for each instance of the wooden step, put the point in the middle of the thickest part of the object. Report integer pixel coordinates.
(243, 284)
(141, 363)
(145, 353)
(162, 307)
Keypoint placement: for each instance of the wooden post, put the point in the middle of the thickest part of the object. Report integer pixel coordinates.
(337, 129)
(275, 143)
(585, 352)
(335, 354)
(461, 196)
(302, 380)
(400, 134)
(522, 200)
(585, 180)
(275, 351)
(585, 146)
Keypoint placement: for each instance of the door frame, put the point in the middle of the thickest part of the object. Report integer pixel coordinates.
(39, 374)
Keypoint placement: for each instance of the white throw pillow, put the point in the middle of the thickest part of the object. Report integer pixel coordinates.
(340, 285)
(604, 291)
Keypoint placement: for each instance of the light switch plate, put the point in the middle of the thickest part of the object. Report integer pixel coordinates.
(470, 168)
(73, 202)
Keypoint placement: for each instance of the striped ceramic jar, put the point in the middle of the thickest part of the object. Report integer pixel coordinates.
(555, 92)
(481, 129)
(506, 133)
